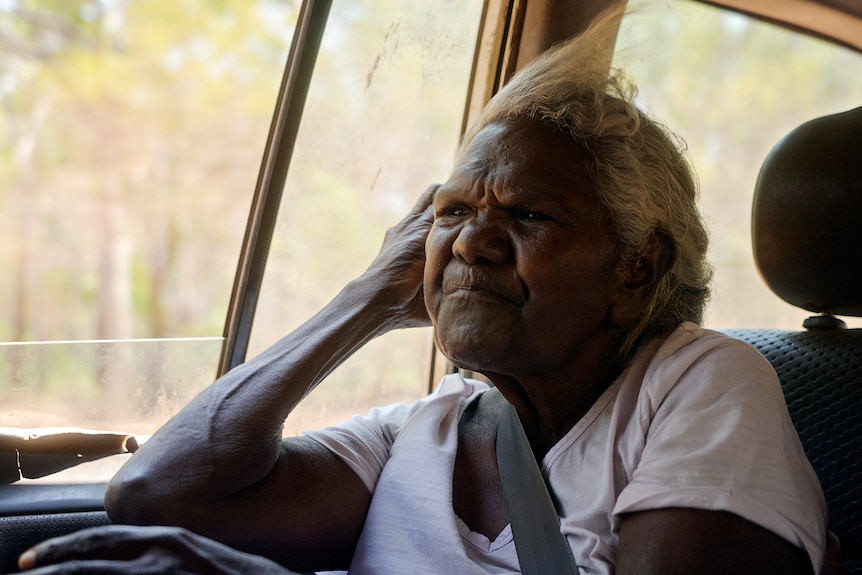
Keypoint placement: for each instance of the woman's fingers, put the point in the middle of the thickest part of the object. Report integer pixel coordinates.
(121, 549)
(425, 200)
(114, 543)
(67, 547)
(399, 267)
(422, 212)
(100, 567)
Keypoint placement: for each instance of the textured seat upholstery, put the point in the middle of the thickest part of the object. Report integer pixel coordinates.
(807, 241)
(821, 373)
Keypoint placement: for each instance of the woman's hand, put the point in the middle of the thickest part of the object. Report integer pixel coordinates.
(123, 549)
(398, 269)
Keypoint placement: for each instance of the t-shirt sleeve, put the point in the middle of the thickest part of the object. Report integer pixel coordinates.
(363, 442)
(718, 436)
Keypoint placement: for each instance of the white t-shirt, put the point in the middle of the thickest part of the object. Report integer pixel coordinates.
(696, 420)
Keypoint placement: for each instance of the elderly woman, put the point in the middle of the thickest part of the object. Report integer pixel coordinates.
(564, 259)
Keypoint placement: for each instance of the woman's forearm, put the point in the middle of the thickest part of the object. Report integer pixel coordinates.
(229, 436)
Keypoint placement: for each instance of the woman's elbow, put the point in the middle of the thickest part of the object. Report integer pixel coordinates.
(138, 496)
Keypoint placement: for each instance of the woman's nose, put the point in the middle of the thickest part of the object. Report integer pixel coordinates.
(482, 239)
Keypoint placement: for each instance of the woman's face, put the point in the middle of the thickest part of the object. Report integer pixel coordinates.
(521, 274)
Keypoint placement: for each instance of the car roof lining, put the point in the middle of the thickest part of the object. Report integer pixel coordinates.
(839, 21)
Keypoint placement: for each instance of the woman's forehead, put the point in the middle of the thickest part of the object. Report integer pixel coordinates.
(521, 152)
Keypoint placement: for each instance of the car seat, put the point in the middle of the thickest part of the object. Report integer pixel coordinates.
(807, 241)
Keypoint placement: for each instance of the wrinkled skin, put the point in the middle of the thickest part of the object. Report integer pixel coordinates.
(521, 267)
(522, 279)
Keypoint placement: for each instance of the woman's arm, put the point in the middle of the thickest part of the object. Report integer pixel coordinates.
(220, 466)
(680, 541)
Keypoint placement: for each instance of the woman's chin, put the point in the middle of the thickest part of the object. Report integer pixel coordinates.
(470, 359)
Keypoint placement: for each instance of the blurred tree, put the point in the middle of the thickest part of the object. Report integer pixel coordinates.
(139, 124)
(134, 133)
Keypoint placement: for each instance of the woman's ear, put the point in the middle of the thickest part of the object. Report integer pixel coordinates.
(639, 279)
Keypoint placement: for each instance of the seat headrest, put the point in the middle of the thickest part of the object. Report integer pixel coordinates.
(807, 216)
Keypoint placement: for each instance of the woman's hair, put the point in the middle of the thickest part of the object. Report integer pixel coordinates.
(638, 167)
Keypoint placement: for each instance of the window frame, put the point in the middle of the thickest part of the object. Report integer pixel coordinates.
(275, 163)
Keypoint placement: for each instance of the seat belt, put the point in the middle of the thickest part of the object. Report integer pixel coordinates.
(542, 548)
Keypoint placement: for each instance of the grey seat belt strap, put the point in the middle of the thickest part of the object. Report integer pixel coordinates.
(542, 548)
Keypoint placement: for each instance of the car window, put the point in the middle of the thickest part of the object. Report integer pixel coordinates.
(381, 124)
(732, 86)
(130, 140)
(131, 137)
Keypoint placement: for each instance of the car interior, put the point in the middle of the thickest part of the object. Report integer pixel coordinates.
(805, 241)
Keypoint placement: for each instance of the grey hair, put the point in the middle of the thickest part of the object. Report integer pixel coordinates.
(638, 167)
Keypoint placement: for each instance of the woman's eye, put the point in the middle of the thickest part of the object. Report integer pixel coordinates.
(531, 216)
(452, 212)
